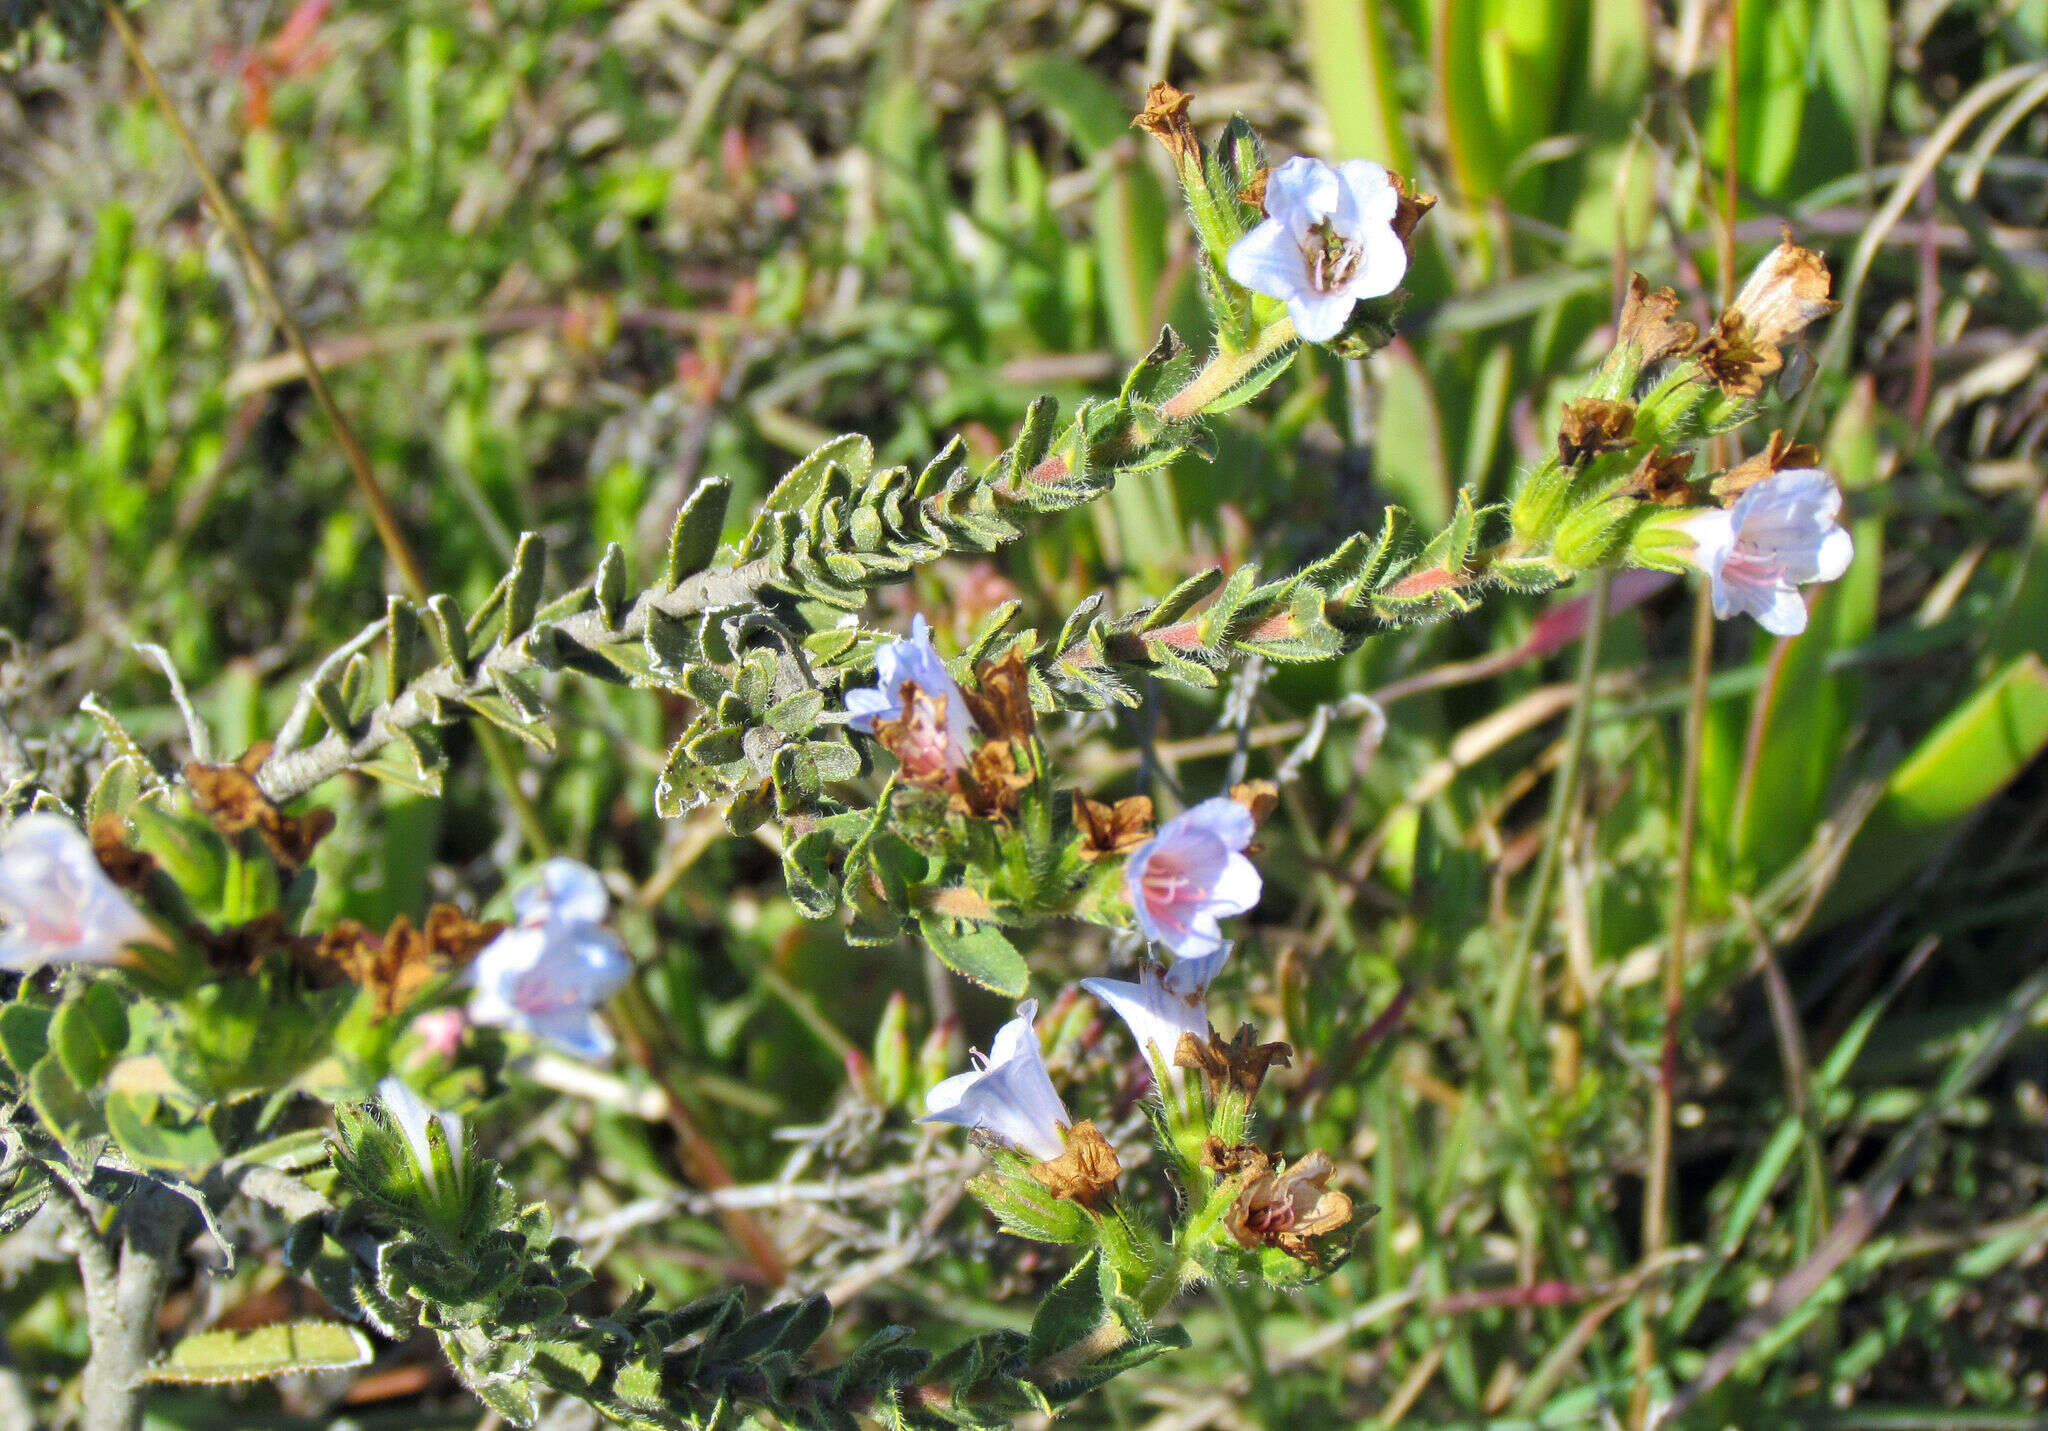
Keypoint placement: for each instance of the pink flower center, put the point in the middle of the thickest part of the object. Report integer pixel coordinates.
(1167, 888)
(535, 994)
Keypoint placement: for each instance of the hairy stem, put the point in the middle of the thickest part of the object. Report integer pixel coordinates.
(289, 774)
(121, 1309)
(1226, 370)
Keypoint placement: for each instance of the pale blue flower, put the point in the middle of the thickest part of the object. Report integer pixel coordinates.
(550, 972)
(1328, 241)
(1191, 874)
(918, 662)
(57, 903)
(1780, 534)
(1009, 1096)
(1163, 1004)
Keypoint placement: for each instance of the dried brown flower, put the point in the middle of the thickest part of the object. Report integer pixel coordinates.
(1289, 1209)
(1230, 1159)
(230, 797)
(1649, 321)
(1784, 293)
(1165, 118)
(1238, 1063)
(395, 967)
(125, 865)
(1086, 1172)
(987, 787)
(1661, 478)
(1108, 830)
(1779, 454)
(1254, 190)
(242, 949)
(1592, 426)
(1410, 209)
(1001, 700)
(1732, 358)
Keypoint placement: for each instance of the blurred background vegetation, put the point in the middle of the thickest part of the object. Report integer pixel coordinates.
(562, 258)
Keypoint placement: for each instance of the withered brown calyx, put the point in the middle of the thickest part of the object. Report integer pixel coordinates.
(125, 865)
(1661, 478)
(396, 966)
(1650, 323)
(1112, 830)
(230, 797)
(1086, 1172)
(1591, 427)
(1165, 118)
(1001, 699)
(1239, 1063)
(1287, 1209)
(989, 785)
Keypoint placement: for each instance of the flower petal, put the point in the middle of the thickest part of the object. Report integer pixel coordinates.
(1302, 193)
(1237, 889)
(1220, 816)
(1269, 260)
(564, 889)
(1319, 317)
(1366, 197)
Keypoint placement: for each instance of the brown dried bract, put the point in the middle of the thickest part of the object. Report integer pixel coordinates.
(1001, 700)
(1649, 321)
(1165, 118)
(1778, 455)
(1592, 426)
(989, 784)
(1086, 1172)
(231, 798)
(1410, 208)
(125, 865)
(1238, 1063)
(1108, 830)
(406, 959)
(1289, 1209)
(1785, 292)
(1254, 190)
(1661, 478)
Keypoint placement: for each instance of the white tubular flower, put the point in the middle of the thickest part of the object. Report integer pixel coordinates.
(1009, 1096)
(58, 904)
(1192, 873)
(1327, 242)
(1163, 1004)
(549, 973)
(1779, 535)
(410, 1112)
